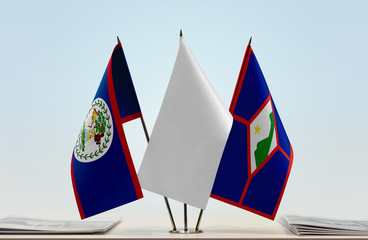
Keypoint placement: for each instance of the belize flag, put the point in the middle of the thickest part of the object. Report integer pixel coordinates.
(257, 158)
(102, 170)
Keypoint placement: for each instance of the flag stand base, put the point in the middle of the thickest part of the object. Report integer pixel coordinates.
(186, 230)
(182, 231)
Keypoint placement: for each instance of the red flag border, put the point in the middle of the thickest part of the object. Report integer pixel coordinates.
(120, 129)
(118, 122)
(234, 100)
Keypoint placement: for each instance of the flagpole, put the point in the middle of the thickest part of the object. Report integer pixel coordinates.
(185, 205)
(170, 213)
(145, 128)
(185, 218)
(199, 220)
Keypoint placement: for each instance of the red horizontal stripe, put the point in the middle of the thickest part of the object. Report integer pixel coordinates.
(131, 117)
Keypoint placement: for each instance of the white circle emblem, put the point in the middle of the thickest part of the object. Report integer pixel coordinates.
(95, 137)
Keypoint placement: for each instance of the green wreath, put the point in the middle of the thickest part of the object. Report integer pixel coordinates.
(92, 155)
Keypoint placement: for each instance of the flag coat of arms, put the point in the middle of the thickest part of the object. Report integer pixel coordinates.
(188, 138)
(102, 170)
(257, 159)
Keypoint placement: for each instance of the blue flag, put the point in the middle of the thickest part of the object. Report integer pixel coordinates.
(102, 170)
(257, 158)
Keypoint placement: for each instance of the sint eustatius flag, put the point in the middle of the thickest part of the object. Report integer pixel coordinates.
(103, 174)
(257, 159)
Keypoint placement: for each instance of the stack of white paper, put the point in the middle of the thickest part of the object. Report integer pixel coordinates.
(43, 226)
(322, 226)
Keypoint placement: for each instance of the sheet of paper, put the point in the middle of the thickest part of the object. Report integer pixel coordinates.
(35, 225)
(301, 225)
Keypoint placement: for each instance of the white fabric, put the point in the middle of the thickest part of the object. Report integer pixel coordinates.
(188, 138)
(263, 124)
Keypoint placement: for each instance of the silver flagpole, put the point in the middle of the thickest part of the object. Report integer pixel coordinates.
(170, 213)
(185, 205)
(199, 220)
(185, 218)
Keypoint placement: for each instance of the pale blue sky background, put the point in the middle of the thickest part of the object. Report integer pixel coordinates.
(312, 53)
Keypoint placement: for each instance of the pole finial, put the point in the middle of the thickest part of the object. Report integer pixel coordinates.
(118, 39)
(250, 41)
(181, 33)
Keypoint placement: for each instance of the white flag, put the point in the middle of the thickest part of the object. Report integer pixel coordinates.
(188, 138)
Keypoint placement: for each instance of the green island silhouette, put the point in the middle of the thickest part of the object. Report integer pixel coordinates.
(263, 146)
